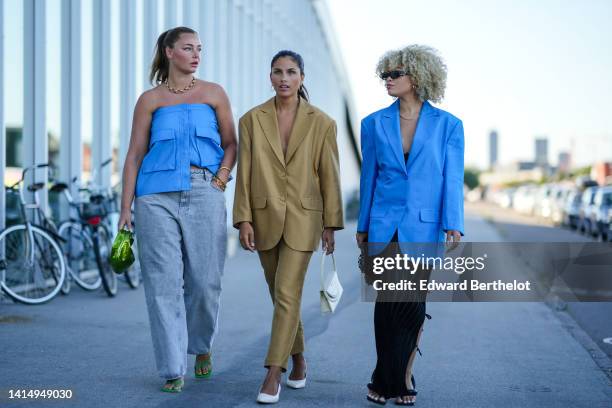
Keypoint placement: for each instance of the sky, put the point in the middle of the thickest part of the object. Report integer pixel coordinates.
(525, 68)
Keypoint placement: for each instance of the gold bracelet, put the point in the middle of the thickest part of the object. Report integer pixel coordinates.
(220, 182)
(220, 187)
(226, 168)
(229, 174)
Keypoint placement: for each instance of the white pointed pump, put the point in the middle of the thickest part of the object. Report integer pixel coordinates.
(264, 398)
(296, 384)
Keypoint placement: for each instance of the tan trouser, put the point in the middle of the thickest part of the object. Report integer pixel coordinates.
(285, 269)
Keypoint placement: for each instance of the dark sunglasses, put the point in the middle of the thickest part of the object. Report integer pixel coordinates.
(392, 74)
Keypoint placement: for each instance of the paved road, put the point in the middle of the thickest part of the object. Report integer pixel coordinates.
(593, 317)
(474, 354)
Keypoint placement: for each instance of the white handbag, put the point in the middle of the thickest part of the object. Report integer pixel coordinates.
(331, 289)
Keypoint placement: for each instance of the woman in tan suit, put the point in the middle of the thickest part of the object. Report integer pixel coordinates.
(287, 198)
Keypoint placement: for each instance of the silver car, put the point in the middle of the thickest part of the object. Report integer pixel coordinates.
(587, 209)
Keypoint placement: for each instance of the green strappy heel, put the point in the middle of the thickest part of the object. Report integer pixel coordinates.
(203, 366)
(177, 385)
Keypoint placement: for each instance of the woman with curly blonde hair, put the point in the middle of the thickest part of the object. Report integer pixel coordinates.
(411, 192)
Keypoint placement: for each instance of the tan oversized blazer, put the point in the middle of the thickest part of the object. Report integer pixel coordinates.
(295, 196)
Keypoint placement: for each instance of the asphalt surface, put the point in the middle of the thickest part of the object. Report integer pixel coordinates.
(595, 318)
(521, 354)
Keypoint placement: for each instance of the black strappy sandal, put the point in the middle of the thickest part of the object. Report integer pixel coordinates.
(375, 400)
(411, 393)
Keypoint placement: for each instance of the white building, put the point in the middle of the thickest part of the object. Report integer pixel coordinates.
(72, 70)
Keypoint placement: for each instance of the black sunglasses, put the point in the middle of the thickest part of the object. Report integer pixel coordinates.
(392, 74)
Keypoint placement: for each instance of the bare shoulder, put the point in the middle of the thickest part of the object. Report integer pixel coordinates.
(212, 92)
(149, 100)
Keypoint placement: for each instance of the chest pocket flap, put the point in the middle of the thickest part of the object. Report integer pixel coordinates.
(162, 151)
(209, 132)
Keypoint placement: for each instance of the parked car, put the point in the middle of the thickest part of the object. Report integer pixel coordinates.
(475, 195)
(609, 235)
(507, 197)
(504, 197)
(571, 209)
(543, 205)
(602, 203)
(524, 199)
(583, 182)
(559, 195)
(587, 208)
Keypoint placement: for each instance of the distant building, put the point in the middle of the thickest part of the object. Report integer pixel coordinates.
(493, 149)
(601, 172)
(541, 152)
(564, 162)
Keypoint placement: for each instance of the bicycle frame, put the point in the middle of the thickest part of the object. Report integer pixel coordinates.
(24, 206)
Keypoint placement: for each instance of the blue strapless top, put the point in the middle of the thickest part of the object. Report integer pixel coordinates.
(181, 135)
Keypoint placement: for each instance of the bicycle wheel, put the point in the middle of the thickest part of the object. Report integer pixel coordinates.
(80, 255)
(67, 286)
(102, 247)
(132, 275)
(32, 268)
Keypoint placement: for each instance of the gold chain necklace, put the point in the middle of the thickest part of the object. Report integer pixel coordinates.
(180, 91)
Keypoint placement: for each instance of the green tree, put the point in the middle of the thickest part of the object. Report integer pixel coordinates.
(470, 177)
(582, 171)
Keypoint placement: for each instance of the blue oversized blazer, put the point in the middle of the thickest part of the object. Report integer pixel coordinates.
(422, 198)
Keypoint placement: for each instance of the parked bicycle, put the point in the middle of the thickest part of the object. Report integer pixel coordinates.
(78, 247)
(88, 237)
(32, 267)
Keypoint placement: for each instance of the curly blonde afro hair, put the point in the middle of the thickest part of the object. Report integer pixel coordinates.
(424, 66)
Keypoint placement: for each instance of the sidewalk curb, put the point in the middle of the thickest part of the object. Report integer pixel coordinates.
(601, 359)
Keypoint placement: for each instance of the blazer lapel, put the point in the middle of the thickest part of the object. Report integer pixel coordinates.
(390, 124)
(421, 132)
(300, 129)
(269, 124)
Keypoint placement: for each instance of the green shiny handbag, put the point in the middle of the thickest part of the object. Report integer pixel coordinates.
(122, 256)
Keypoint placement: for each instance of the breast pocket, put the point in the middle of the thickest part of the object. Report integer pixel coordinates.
(162, 151)
(209, 144)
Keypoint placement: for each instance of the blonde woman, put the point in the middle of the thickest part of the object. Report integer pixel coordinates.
(287, 199)
(182, 149)
(411, 191)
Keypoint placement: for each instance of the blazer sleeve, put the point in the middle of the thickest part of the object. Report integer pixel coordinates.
(329, 179)
(369, 173)
(242, 201)
(452, 208)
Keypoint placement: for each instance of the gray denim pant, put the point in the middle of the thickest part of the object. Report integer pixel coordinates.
(182, 240)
